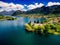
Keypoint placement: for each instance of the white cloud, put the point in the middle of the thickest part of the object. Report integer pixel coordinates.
(33, 6)
(3, 4)
(53, 3)
(10, 6)
(25, 5)
(1, 10)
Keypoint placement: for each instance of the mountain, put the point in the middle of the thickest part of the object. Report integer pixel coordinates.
(17, 12)
(55, 9)
(7, 13)
(33, 11)
(46, 10)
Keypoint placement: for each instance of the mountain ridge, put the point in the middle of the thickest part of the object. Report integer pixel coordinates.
(55, 9)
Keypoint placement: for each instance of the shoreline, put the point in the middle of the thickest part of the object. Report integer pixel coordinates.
(7, 18)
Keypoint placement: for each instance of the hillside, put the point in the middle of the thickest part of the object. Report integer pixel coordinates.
(55, 9)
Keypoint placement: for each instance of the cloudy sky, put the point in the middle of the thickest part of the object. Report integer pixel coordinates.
(23, 5)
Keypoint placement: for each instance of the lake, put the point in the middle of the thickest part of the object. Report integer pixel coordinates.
(13, 33)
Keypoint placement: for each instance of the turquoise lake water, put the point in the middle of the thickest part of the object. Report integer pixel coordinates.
(13, 33)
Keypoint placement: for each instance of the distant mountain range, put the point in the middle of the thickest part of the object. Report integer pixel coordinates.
(55, 9)
(7, 12)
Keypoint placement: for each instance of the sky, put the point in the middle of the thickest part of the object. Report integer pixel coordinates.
(29, 1)
(23, 5)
